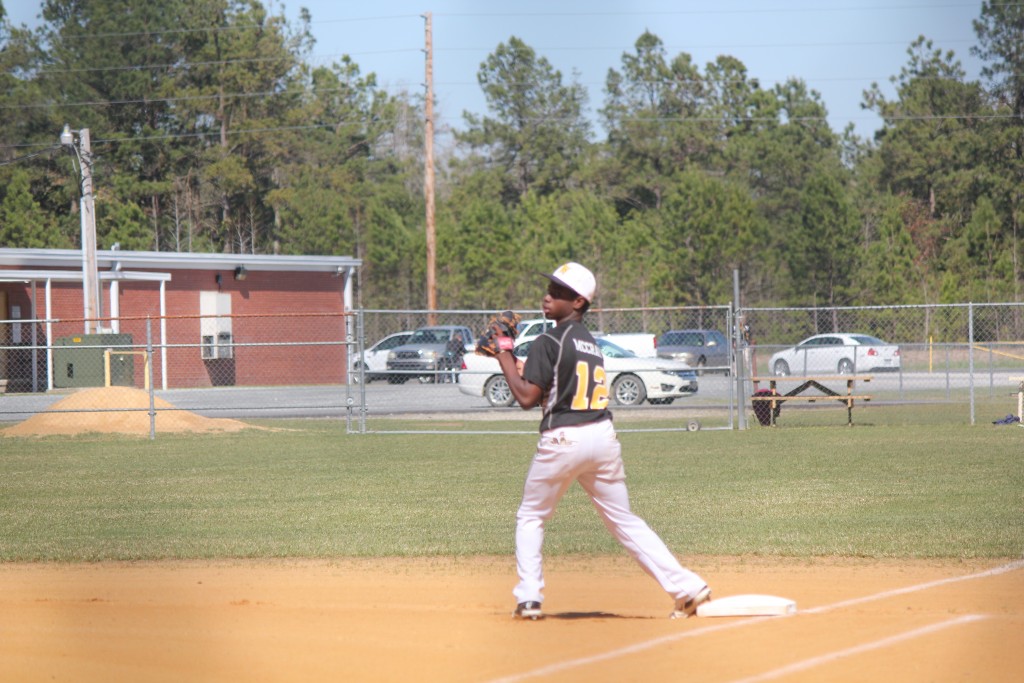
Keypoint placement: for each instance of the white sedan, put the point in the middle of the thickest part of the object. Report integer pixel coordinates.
(841, 354)
(632, 379)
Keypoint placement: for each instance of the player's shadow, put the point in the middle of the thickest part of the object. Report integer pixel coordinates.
(587, 615)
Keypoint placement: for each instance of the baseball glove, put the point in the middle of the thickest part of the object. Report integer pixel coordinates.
(500, 334)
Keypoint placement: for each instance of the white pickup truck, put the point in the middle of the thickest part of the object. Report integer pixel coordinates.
(642, 344)
(532, 328)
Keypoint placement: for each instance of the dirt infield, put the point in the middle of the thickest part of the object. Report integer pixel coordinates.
(450, 620)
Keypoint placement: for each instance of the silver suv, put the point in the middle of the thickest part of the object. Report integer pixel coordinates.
(430, 354)
(697, 348)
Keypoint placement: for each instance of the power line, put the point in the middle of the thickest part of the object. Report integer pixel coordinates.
(175, 66)
(660, 119)
(220, 29)
(309, 59)
(202, 134)
(331, 56)
(744, 11)
(499, 15)
(25, 157)
(571, 15)
(328, 91)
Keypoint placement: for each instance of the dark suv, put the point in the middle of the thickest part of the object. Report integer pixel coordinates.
(697, 348)
(431, 353)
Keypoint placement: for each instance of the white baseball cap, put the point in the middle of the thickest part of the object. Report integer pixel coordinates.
(575, 277)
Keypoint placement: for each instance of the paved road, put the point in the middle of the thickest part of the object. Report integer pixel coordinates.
(382, 398)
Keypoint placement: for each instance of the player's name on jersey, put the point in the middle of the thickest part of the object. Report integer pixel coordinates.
(586, 347)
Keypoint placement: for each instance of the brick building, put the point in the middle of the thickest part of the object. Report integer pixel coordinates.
(209, 319)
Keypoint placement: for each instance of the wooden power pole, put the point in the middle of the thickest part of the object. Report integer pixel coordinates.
(428, 175)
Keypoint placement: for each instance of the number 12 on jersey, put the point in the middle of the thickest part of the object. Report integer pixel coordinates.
(598, 399)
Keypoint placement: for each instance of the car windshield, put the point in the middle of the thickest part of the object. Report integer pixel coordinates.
(392, 341)
(429, 336)
(685, 339)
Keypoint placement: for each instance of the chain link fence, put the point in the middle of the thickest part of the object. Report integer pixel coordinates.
(221, 366)
(949, 353)
(647, 388)
(189, 351)
(329, 365)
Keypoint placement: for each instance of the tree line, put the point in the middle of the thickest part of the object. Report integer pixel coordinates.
(213, 132)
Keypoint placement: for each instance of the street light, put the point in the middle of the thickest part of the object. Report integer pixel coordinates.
(91, 306)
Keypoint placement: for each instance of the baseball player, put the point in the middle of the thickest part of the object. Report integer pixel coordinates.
(564, 374)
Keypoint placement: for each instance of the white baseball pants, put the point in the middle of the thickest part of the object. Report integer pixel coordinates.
(592, 455)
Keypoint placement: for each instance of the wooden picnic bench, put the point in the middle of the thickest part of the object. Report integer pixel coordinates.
(797, 394)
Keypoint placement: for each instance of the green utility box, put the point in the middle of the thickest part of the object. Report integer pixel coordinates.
(78, 361)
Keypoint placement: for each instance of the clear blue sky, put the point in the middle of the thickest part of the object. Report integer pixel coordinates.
(838, 47)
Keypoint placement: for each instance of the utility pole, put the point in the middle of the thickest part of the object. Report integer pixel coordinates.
(92, 307)
(739, 342)
(428, 171)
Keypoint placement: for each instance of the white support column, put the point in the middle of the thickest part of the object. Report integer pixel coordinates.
(49, 335)
(163, 335)
(115, 306)
(34, 316)
(347, 292)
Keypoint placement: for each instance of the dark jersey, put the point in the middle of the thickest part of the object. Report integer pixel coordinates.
(567, 364)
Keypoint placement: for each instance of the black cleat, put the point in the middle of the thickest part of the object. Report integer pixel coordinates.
(528, 610)
(687, 607)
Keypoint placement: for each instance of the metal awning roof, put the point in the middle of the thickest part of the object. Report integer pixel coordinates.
(76, 275)
(36, 259)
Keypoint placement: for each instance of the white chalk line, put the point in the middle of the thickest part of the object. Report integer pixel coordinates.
(649, 644)
(806, 664)
(995, 571)
(622, 651)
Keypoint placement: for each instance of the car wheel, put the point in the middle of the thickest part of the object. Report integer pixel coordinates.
(781, 368)
(845, 367)
(701, 364)
(497, 392)
(629, 390)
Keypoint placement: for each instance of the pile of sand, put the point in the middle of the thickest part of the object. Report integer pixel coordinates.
(122, 410)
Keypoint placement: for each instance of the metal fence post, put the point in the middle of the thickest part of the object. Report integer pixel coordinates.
(354, 344)
(360, 348)
(970, 356)
(738, 322)
(149, 370)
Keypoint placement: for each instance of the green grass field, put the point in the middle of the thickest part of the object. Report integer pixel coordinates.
(311, 490)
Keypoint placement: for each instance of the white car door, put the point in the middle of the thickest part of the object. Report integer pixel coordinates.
(830, 351)
(814, 356)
